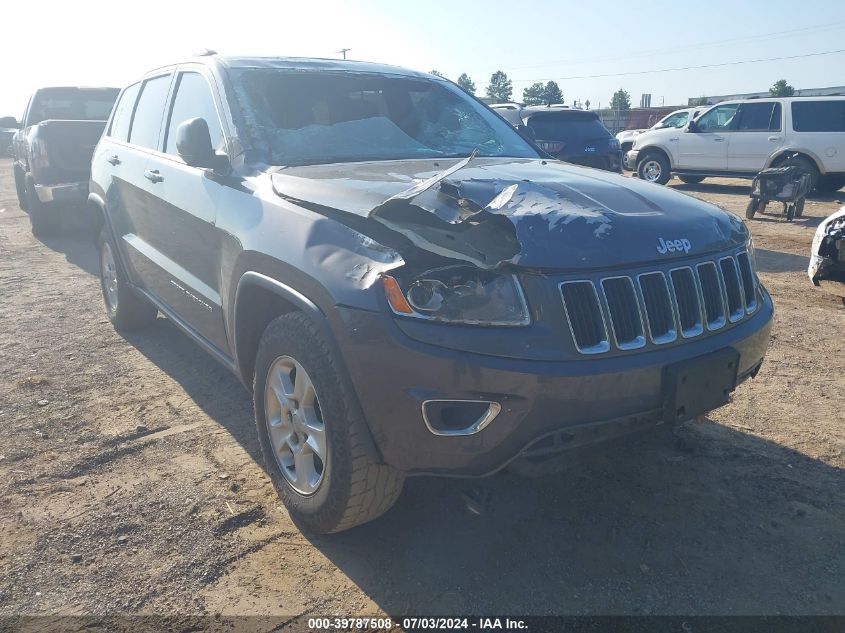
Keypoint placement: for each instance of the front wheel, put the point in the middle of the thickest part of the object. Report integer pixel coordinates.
(126, 310)
(20, 188)
(751, 209)
(654, 168)
(312, 431)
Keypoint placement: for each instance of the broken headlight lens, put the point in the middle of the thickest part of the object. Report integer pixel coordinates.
(459, 294)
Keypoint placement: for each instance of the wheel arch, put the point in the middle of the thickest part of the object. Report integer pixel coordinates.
(259, 299)
(782, 154)
(654, 149)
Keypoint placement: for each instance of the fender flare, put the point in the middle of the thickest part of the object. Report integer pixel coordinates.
(654, 148)
(309, 307)
(804, 152)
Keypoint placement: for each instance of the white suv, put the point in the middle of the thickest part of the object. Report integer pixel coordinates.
(675, 119)
(739, 138)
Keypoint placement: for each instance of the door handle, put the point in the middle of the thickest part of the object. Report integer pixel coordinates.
(153, 175)
(718, 139)
(114, 160)
(774, 138)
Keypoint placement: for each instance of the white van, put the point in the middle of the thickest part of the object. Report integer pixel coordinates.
(737, 139)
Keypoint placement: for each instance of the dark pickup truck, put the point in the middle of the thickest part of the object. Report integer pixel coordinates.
(52, 149)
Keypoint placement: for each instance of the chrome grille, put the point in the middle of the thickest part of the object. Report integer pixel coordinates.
(586, 321)
(621, 311)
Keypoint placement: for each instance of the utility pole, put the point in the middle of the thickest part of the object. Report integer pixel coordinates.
(344, 51)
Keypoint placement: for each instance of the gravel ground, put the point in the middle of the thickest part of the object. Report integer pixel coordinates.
(130, 479)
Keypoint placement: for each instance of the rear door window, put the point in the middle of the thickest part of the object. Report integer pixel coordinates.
(193, 100)
(818, 116)
(759, 117)
(123, 113)
(146, 124)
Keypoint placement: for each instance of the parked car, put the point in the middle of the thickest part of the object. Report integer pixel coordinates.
(677, 119)
(827, 254)
(574, 136)
(737, 139)
(401, 279)
(53, 148)
(8, 128)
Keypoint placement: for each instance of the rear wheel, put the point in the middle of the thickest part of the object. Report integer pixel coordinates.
(126, 309)
(312, 431)
(20, 188)
(691, 180)
(42, 215)
(654, 167)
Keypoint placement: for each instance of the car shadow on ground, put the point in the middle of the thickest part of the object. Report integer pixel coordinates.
(715, 521)
(779, 262)
(743, 188)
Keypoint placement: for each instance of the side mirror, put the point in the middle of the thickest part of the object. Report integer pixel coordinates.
(692, 126)
(193, 143)
(9, 122)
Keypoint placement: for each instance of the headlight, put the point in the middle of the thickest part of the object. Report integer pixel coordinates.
(459, 294)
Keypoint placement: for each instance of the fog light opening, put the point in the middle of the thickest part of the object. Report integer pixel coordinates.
(459, 417)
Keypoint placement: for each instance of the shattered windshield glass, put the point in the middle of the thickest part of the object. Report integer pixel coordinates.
(301, 118)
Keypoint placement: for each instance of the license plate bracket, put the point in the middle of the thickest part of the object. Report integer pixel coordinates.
(698, 385)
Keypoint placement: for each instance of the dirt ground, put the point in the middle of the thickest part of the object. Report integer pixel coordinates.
(130, 479)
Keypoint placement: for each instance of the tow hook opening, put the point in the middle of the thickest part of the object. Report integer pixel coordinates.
(459, 417)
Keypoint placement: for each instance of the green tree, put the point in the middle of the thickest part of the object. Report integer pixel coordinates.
(781, 89)
(467, 84)
(539, 94)
(553, 93)
(436, 72)
(621, 100)
(500, 87)
(534, 94)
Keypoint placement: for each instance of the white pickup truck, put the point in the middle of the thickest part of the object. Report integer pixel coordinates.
(737, 139)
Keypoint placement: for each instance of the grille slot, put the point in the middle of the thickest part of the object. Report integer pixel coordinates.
(624, 310)
(686, 299)
(747, 277)
(733, 288)
(586, 321)
(711, 290)
(658, 307)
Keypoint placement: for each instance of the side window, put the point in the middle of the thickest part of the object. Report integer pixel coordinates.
(818, 116)
(719, 119)
(194, 100)
(123, 113)
(146, 123)
(759, 117)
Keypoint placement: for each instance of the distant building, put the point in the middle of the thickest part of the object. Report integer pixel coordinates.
(804, 92)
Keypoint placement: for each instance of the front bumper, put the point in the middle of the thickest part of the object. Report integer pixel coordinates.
(394, 375)
(63, 192)
(630, 159)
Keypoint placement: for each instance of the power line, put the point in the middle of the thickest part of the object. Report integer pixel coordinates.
(669, 70)
(707, 44)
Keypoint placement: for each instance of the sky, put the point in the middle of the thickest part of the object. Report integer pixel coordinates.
(577, 44)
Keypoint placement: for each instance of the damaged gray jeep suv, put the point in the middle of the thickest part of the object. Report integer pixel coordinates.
(406, 284)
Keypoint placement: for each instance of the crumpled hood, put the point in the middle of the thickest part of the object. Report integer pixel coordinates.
(525, 212)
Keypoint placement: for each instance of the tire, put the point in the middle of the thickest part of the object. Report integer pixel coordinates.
(751, 209)
(42, 215)
(125, 308)
(807, 165)
(20, 188)
(830, 184)
(343, 487)
(654, 167)
(790, 212)
(799, 208)
(691, 180)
